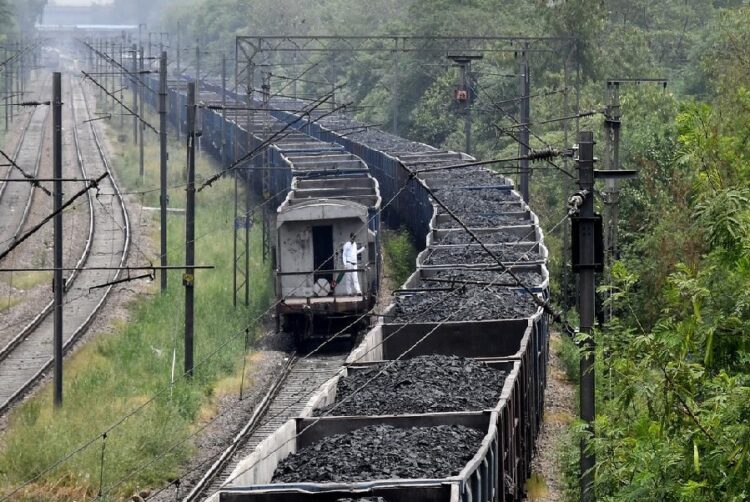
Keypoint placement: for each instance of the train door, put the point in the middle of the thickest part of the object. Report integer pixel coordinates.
(323, 252)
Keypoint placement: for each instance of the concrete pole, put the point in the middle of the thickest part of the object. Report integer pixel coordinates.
(198, 71)
(395, 91)
(189, 278)
(612, 125)
(586, 306)
(179, 80)
(22, 72)
(7, 88)
(224, 159)
(19, 96)
(249, 184)
(467, 106)
(58, 282)
(163, 200)
(122, 88)
(134, 70)
(142, 111)
(523, 135)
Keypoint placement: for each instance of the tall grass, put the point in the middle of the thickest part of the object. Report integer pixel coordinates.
(128, 370)
(399, 255)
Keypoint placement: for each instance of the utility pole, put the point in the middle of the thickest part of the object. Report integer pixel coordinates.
(585, 263)
(141, 126)
(122, 84)
(463, 94)
(58, 282)
(395, 91)
(179, 82)
(99, 63)
(612, 115)
(7, 88)
(19, 76)
(134, 69)
(188, 279)
(198, 70)
(163, 200)
(198, 81)
(265, 174)
(224, 159)
(523, 134)
(21, 71)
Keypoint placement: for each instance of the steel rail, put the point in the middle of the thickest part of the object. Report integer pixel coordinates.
(81, 328)
(34, 323)
(252, 424)
(37, 161)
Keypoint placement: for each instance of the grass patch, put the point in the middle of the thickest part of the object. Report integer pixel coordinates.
(399, 255)
(7, 302)
(129, 371)
(570, 356)
(536, 487)
(27, 280)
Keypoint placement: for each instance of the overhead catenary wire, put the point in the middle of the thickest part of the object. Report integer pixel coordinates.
(268, 142)
(91, 184)
(98, 436)
(303, 392)
(119, 102)
(230, 338)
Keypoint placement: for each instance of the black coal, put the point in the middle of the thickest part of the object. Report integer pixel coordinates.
(439, 278)
(424, 384)
(470, 303)
(494, 237)
(475, 220)
(383, 452)
(475, 254)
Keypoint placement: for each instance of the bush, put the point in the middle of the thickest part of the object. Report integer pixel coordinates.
(399, 255)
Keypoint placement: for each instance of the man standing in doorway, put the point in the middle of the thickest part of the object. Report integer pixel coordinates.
(350, 253)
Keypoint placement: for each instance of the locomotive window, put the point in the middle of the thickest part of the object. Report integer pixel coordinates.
(323, 251)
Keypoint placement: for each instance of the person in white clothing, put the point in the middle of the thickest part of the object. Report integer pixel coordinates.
(349, 254)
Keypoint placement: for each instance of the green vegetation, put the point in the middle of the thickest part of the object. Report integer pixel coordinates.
(399, 255)
(127, 372)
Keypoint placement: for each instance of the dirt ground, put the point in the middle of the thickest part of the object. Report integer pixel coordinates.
(546, 483)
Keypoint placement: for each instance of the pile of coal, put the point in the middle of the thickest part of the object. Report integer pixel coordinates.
(468, 303)
(424, 384)
(383, 452)
(480, 220)
(485, 200)
(496, 237)
(476, 255)
(463, 178)
(453, 278)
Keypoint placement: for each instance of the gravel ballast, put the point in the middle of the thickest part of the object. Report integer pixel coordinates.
(383, 452)
(476, 255)
(424, 384)
(472, 303)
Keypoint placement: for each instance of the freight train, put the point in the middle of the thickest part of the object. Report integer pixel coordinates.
(458, 303)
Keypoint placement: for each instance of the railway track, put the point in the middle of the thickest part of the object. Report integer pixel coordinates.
(286, 398)
(28, 355)
(16, 198)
